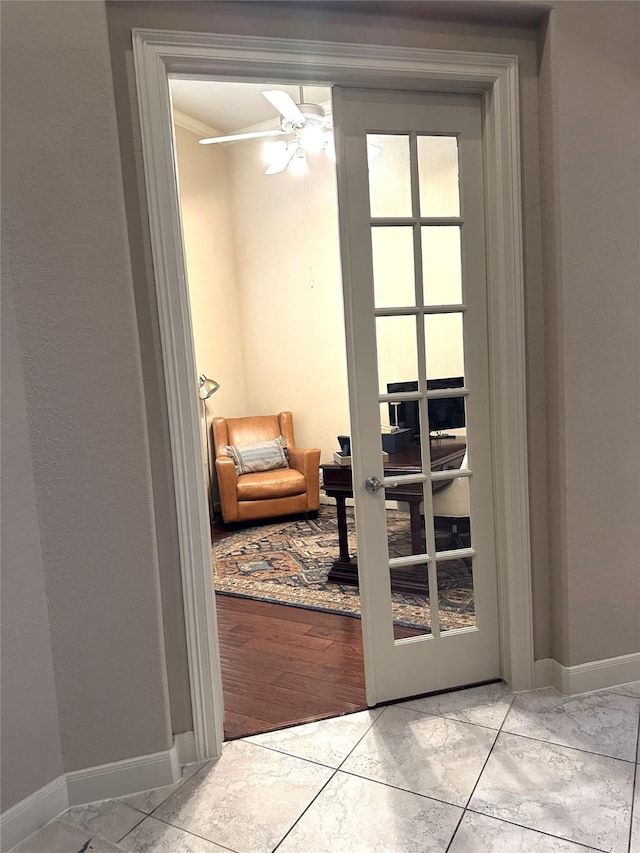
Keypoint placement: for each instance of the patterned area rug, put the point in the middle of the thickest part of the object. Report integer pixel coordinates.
(288, 563)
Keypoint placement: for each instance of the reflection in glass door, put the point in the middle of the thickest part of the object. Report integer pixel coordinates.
(415, 297)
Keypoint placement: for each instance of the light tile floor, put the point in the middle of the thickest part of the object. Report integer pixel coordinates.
(475, 771)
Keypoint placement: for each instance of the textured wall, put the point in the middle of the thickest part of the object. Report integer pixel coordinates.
(203, 181)
(293, 333)
(591, 180)
(31, 752)
(67, 246)
(203, 173)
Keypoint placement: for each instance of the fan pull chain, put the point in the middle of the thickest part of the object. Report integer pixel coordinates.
(308, 218)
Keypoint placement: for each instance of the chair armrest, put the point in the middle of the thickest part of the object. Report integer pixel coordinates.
(307, 461)
(227, 485)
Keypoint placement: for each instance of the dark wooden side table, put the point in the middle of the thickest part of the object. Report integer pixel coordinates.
(338, 484)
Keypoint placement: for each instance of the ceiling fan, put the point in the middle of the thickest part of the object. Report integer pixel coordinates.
(307, 125)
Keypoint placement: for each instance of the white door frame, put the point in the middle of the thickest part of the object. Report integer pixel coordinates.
(158, 53)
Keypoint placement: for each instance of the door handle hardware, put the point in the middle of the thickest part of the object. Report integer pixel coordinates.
(372, 485)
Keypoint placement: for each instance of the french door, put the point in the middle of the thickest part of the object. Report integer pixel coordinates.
(411, 208)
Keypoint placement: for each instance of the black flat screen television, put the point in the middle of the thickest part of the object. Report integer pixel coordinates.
(444, 412)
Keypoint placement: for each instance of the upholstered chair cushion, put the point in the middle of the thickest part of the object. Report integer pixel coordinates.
(278, 483)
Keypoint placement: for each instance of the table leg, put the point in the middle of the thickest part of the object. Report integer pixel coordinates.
(343, 542)
(416, 527)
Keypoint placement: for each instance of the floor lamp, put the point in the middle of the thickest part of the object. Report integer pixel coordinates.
(206, 389)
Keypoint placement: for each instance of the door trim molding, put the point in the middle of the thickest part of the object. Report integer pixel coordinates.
(159, 53)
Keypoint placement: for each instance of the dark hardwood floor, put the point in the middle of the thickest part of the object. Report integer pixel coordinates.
(284, 665)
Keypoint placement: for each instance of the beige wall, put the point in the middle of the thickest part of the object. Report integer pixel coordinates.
(591, 180)
(65, 242)
(30, 735)
(278, 342)
(293, 330)
(203, 173)
(203, 183)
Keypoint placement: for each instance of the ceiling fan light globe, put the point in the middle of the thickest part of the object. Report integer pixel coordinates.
(312, 139)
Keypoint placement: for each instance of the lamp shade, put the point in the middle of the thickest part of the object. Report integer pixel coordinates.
(206, 387)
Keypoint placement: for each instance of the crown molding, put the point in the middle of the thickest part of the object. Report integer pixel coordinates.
(195, 126)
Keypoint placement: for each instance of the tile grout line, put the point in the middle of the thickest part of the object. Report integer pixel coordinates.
(304, 811)
(144, 817)
(151, 813)
(335, 772)
(186, 831)
(289, 755)
(359, 741)
(466, 806)
(567, 746)
(398, 788)
(493, 745)
(455, 831)
(538, 831)
(281, 751)
(453, 719)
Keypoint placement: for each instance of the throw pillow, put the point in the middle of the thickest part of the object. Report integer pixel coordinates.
(263, 456)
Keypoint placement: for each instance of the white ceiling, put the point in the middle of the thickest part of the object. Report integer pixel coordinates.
(231, 107)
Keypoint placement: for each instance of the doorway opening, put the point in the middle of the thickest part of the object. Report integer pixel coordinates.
(158, 55)
(261, 240)
(265, 288)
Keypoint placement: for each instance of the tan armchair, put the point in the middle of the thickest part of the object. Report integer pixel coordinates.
(265, 494)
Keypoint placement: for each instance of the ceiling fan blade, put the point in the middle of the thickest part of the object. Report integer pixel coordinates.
(281, 158)
(285, 104)
(238, 137)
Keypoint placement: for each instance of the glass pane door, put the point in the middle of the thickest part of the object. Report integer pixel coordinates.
(411, 203)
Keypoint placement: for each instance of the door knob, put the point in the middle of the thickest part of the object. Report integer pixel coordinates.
(372, 485)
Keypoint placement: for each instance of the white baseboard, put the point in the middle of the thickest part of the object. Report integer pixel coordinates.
(543, 673)
(186, 748)
(586, 677)
(78, 787)
(119, 778)
(27, 816)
